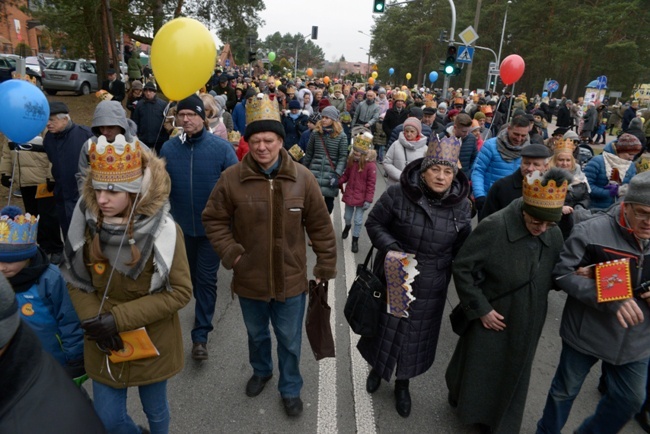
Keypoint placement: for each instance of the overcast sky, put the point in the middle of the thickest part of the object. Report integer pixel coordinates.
(338, 21)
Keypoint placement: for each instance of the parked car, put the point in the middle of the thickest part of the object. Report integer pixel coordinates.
(73, 75)
(8, 66)
(31, 62)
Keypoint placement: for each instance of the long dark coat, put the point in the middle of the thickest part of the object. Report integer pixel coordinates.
(489, 373)
(434, 231)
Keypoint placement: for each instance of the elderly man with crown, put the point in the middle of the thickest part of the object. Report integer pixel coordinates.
(427, 214)
(126, 269)
(195, 161)
(503, 276)
(256, 219)
(606, 315)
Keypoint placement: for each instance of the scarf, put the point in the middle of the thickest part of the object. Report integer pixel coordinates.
(431, 195)
(29, 275)
(327, 130)
(615, 162)
(153, 235)
(507, 151)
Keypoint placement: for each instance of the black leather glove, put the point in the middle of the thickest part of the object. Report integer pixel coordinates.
(50, 185)
(75, 368)
(113, 343)
(5, 180)
(100, 328)
(479, 202)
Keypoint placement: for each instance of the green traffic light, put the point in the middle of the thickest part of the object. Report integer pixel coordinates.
(379, 7)
(449, 69)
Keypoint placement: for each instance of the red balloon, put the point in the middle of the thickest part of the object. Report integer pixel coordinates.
(512, 68)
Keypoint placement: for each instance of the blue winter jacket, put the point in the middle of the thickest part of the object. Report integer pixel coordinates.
(239, 117)
(194, 167)
(597, 178)
(47, 308)
(490, 167)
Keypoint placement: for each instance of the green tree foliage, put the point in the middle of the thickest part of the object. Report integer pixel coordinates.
(310, 55)
(571, 42)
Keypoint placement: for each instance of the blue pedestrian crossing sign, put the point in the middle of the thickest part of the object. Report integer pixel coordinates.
(465, 54)
(227, 62)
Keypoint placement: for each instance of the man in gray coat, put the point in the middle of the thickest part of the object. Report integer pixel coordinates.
(616, 332)
(367, 113)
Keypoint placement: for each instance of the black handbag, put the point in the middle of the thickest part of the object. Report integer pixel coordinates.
(317, 323)
(365, 300)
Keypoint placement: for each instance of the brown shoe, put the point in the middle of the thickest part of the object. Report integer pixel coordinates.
(199, 351)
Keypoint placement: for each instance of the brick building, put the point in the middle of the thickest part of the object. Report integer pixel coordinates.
(17, 27)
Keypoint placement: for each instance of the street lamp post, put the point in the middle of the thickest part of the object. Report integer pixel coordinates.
(368, 67)
(445, 84)
(503, 31)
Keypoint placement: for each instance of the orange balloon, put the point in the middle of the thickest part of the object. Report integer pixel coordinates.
(371, 80)
(310, 72)
(326, 80)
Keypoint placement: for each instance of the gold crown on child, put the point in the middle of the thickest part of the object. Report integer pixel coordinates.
(115, 162)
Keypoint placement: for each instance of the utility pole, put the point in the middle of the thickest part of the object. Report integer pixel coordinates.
(445, 84)
(468, 75)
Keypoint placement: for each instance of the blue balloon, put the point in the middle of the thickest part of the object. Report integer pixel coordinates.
(25, 110)
(433, 76)
(391, 71)
(544, 94)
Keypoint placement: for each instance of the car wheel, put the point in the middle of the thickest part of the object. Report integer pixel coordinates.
(85, 89)
(51, 91)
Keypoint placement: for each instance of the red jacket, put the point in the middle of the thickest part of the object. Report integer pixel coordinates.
(360, 186)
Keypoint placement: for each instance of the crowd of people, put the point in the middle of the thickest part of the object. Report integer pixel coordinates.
(155, 196)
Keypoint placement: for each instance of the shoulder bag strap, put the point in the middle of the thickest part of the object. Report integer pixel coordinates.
(368, 257)
(327, 153)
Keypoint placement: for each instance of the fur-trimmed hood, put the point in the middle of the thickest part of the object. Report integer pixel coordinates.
(156, 187)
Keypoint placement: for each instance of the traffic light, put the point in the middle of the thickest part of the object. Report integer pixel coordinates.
(379, 7)
(251, 56)
(450, 61)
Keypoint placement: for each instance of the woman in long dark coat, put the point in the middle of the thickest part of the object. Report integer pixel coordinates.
(513, 249)
(427, 214)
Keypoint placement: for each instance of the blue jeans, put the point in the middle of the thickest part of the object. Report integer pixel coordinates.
(110, 405)
(380, 153)
(204, 264)
(624, 397)
(357, 212)
(287, 319)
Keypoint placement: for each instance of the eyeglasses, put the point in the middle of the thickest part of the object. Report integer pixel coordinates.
(190, 115)
(640, 216)
(540, 223)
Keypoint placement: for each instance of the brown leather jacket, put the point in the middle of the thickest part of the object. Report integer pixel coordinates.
(264, 220)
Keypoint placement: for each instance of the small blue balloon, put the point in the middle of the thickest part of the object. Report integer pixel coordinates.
(433, 76)
(25, 110)
(391, 71)
(544, 94)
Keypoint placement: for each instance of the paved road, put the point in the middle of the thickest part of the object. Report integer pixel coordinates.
(209, 397)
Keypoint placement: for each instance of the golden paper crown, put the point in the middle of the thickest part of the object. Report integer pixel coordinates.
(296, 152)
(642, 165)
(363, 142)
(564, 145)
(19, 230)
(234, 136)
(445, 150)
(337, 88)
(548, 196)
(261, 108)
(103, 95)
(399, 96)
(117, 162)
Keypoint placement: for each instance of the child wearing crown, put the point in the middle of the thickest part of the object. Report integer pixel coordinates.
(40, 291)
(359, 179)
(126, 268)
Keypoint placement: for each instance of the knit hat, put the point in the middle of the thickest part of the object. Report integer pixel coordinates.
(444, 152)
(443, 106)
(221, 101)
(628, 143)
(639, 189)
(452, 113)
(58, 108)
(571, 135)
(136, 85)
(415, 123)
(149, 86)
(262, 115)
(324, 102)
(17, 234)
(331, 112)
(544, 194)
(479, 116)
(9, 318)
(193, 103)
(315, 118)
(293, 104)
(416, 112)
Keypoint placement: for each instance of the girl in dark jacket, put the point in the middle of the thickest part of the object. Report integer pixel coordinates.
(359, 178)
(426, 214)
(295, 123)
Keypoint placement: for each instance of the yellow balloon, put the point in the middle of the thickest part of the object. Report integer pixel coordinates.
(137, 44)
(374, 74)
(183, 57)
(408, 75)
(277, 83)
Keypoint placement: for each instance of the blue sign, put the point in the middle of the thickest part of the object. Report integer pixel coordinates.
(602, 82)
(227, 63)
(552, 86)
(465, 54)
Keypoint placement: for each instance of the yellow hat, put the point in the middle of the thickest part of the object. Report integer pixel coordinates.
(262, 115)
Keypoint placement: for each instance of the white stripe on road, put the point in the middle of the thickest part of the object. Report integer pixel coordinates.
(327, 399)
(363, 409)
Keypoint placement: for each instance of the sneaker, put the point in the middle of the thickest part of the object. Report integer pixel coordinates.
(17, 193)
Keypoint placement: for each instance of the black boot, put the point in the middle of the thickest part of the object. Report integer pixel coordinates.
(402, 398)
(355, 244)
(373, 381)
(346, 231)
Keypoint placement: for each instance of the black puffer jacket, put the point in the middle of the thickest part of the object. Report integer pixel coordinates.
(434, 230)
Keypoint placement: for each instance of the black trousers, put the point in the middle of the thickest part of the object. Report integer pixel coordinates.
(49, 230)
